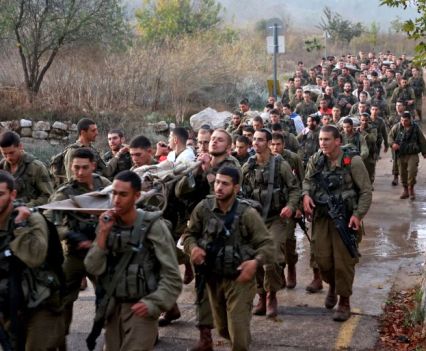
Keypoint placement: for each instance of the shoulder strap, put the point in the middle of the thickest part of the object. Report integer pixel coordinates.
(272, 162)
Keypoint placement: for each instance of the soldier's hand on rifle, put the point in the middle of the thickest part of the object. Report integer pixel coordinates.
(395, 147)
(106, 222)
(140, 309)
(248, 270)
(286, 212)
(354, 223)
(198, 255)
(308, 206)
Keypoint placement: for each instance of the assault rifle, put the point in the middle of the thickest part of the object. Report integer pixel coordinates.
(339, 214)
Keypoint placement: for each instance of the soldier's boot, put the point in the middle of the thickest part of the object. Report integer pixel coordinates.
(167, 317)
(331, 298)
(316, 284)
(343, 311)
(291, 276)
(188, 277)
(395, 180)
(260, 308)
(411, 192)
(404, 194)
(206, 342)
(271, 304)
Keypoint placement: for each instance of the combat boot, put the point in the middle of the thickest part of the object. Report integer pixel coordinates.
(291, 276)
(316, 284)
(395, 180)
(343, 311)
(260, 308)
(271, 304)
(205, 343)
(411, 192)
(188, 277)
(331, 298)
(167, 317)
(404, 194)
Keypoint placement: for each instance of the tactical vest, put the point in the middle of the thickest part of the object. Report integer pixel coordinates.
(339, 181)
(225, 240)
(256, 184)
(408, 140)
(142, 274)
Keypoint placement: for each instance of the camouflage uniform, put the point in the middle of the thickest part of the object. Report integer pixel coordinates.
(309, 144)
(383, 106)
(151, 277)
(290, 142)
(382, 134)
(390, 86)
(82, 226)
(100, 164)
(32, 180)
(370, 135)
(418, 85)
(358, 141)
(335, 263)
(405, 94)
(115, 165)
(304, 109)
(286, 192)
(230, 301)
(343, 99)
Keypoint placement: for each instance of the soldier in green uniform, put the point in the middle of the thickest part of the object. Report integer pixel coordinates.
(141, 152)
(241, 152)
(134, 260)
(344, 175)
(407, 141)
(269, 180)
(354, 137)
(30, 301)
(224, 229)
(296, 98)
(308, 139)
(235, 127)
(380, 101)
(346, 99)
(77, 229)
(390, 84)
(87, 133)
(33, 183)
(306, 107)
(404, 93)
(395, 118)
(369, 132)
(382, 132)
(418, 84)
(118, 157)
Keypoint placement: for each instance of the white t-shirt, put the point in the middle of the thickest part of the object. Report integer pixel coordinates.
(186, 155)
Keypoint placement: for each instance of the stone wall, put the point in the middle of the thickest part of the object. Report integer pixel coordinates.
(55, 133)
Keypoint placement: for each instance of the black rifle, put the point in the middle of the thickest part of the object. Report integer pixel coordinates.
(338, 213)
(301, 221)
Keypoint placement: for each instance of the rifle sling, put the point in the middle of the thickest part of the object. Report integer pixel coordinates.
(267, 204)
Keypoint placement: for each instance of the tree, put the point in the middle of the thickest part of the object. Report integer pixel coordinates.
(340, 30)
(313, 44)
(41, 28)
(164, 19)
(415, 28)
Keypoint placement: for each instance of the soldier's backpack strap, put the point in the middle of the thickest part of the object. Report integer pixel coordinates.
(270, 189)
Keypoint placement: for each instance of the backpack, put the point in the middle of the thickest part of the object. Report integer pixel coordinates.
(57, 166)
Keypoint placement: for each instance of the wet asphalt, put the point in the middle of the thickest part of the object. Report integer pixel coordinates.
(392, 253)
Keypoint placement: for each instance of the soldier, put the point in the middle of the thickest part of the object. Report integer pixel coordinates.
(328, 95)
(336, 114)
(306, 107)
(297, 120)
(203, 139)
(369, 132)
(297, 98)
(346, 99)
(390, 84)
(382, 133)
(418, 84)
(286, 121)
(394, 119)
(87, 133)
(134, 261)
(33, 184)
(288, 91)
(404, 93)
(241, 152)
(308, 139)
(224, 229)
(355, 110)
(380, 101)
(289, 139)
(32, 320)
(141, 152)
(177, 143)
(77, 229)
(269, 180)
(354, 137)
(235, 127)
(118, 157)
(257, 123)
(341, 174)
(407, 141)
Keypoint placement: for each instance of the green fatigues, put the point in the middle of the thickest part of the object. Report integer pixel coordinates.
(405, 94)
(30, 245)
(73, 266)
(294, 101)
(358, 141)
(309, 144)
(390, 87)
(32, 180)
(412, 142)
(124, 330)
(333, 259)
(115, 165)
(419, 87)
(204, 186)
(343, 100)
(286, 192)
(231, 129)
(304, 109)
(370, 136)
(382, 134)
(231, 302)
(383, 107)
(100, 164)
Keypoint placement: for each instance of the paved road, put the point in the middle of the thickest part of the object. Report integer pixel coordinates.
(395, 239)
